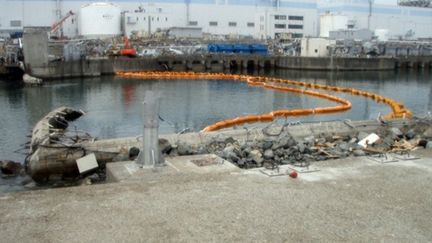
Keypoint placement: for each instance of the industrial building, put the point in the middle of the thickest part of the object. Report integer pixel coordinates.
(260, 19)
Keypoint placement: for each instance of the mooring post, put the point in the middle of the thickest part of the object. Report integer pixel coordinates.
(150, 154)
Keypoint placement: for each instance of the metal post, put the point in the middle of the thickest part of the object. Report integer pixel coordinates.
(150, 154)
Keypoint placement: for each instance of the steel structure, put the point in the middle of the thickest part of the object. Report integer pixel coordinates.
(416, 3)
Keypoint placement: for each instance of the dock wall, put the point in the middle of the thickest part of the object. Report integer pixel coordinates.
(107, 66)
(336, 63)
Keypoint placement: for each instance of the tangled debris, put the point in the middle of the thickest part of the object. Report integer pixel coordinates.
(283, 148)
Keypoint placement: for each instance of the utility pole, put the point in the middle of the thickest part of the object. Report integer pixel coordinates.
(187, 2)
(370, 13)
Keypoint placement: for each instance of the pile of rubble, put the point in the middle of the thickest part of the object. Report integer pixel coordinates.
(271, 150)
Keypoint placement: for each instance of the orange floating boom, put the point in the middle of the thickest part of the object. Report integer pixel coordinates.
(398, 109)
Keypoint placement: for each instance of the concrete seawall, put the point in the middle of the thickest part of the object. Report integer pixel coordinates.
(336, 63)
(108, 66)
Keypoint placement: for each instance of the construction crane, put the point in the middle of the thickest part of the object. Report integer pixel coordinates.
(56, 26)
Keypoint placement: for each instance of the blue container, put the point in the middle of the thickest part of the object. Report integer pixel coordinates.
(260, 49)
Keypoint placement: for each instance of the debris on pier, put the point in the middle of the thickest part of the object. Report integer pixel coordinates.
(54, 150)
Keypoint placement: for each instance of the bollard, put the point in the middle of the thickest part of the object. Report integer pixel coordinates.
(150, 154)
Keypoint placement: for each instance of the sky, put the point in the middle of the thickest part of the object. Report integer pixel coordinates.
(389, 2)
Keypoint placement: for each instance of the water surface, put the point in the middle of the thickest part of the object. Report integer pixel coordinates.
(114, 105)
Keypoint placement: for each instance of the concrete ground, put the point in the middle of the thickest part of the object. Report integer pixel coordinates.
(353, 199)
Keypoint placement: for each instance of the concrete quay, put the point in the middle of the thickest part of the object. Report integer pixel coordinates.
(353, 199)
(214, 63)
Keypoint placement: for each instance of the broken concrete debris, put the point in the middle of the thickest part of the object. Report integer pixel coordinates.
(285, 149)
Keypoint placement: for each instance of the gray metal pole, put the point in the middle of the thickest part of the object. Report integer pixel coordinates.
(150, 154)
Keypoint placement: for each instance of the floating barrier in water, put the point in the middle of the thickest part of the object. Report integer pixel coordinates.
(398, 109)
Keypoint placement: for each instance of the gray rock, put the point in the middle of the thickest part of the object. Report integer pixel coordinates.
(233, 157)
(230, 140)
(291, 142)
(164, 146)
(309, 140)
(280, 143)
(429, 145)
(184, 148)
(268, 154)
(227, 150)
(344, 146)
(428, 133)
(396, 131)
(285, 162)
(266, 144)
(256, 156)
(410, 134)
(355, 146)
(94, 178)
(246, 151)
(229, 154)
(320, 140)
(388, 141)
(280, 152)
(362, 135)
(301, 147)
(202, 150)
(353, 140)
(359, 152)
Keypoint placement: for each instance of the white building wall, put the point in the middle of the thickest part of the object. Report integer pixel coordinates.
(149, 20)
(397, 19)
(315, 47)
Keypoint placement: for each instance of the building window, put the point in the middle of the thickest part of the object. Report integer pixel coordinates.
(280, 26)
(157, 19)
(152, 18)
(159, 10)
(295, 26)
(213, 23)
(137, 19)
(144, 18)
(232, 24)
(280, 17)
(166, 19)
(295, 17)
(261, 27)
(262, 18)
(15, 23)
(250, 24)
(297, 35)
(193, 23)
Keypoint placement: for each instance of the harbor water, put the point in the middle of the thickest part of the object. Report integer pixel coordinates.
(113, 105)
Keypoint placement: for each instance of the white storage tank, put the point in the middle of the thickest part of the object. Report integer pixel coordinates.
(382, 34)
(99, 20)
(330, 22)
